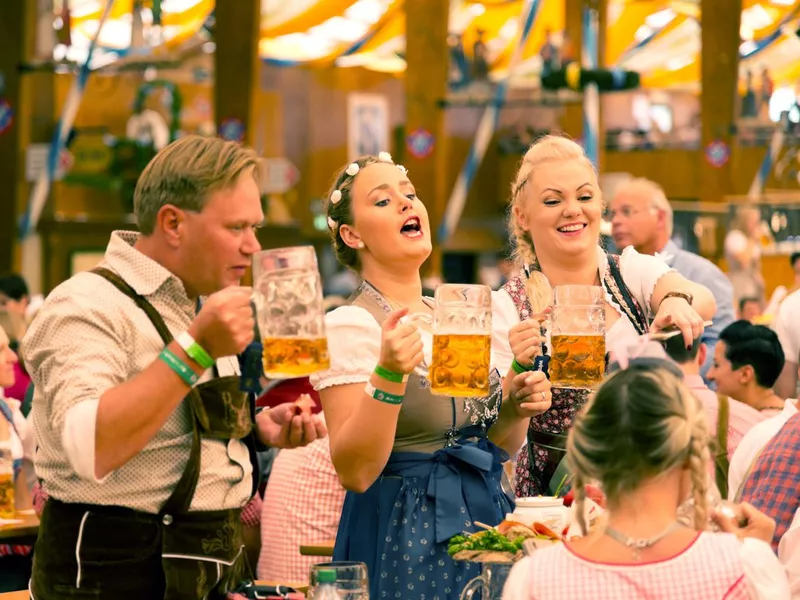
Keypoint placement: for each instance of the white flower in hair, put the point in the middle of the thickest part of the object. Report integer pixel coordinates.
(385, 157)
(336, 196)
(352, 169)
(403, 170)
(331, 223)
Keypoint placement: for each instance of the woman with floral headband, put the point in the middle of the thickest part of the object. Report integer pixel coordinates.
(418, 468)
(556, 210)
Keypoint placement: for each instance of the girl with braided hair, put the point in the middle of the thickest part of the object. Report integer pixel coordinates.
(643, 436)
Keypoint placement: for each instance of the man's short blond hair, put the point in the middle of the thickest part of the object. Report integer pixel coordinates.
(184, 174)
(658, 199)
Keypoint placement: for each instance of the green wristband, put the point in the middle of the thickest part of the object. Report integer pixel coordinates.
(382, 396)
(518, 368)
(183, 370)
(194, 350)
(390, 375)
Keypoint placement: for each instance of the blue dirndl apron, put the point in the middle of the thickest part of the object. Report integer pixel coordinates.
(401, 525)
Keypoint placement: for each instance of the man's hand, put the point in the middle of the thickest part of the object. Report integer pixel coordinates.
(283, 427)
(225, 324)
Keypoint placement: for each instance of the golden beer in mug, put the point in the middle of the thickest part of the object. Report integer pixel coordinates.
(462, 341)
(577, 361)
(7, 503)
(577, 337)
(287, 290)
(295, 357)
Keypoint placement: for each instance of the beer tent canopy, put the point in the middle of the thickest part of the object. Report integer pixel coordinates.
(658, 38)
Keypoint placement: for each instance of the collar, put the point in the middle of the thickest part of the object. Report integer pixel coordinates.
(695, 382)
(142, 273)
(668, 252)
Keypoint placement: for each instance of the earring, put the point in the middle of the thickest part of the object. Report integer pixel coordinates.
(360, 245)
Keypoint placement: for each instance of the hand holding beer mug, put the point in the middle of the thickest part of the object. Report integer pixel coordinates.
(577, 337)
(462, 341)
(288, 295)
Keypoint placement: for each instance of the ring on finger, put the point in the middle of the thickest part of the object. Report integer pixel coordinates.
(544, 396)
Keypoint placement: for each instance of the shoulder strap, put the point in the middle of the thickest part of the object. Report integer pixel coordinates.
(721, 463)
(617, 288)
(6, 410)
(123, 286)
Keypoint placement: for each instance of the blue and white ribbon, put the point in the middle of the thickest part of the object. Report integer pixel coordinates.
(775, 147)
(486, 129)
(591, 94)
(41, 189)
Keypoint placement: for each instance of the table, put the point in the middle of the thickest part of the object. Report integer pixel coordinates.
(24, 532)
(23, 595)
(324, 548)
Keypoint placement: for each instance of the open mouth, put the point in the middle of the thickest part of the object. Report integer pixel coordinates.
(411, 228)
(572, 229)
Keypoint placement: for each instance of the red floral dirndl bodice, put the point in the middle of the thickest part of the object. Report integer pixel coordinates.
(542, 455)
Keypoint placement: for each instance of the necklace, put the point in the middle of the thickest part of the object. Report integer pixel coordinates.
(637, 545)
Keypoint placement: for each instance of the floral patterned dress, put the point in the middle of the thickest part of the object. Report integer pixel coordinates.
(542, 455)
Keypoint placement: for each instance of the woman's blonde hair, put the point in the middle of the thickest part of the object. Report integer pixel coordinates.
(546, 149)
(642, 422)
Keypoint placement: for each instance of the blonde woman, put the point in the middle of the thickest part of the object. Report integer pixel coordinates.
(743, 254)
(556, 211)
(643, 436)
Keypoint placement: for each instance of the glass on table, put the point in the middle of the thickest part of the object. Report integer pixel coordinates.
(577, 337)
(462, 341)
(287, 290)
(352, 582)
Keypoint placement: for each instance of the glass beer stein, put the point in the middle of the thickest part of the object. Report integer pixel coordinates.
(577, 337)
(287, 290)
(462, 341)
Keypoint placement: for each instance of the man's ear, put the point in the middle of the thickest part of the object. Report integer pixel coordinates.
(171, 223)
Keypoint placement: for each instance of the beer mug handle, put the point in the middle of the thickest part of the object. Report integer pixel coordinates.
(415, 318)
(477, 584)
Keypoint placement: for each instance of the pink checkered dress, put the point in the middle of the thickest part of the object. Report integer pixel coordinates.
(710, 568)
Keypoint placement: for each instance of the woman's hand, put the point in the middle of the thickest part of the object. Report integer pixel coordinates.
(748, 522)
(526, 340)
(401, 344)
(675, 312)
(530, 394)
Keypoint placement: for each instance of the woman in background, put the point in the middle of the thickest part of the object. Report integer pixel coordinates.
(743, 254)
(15, 561)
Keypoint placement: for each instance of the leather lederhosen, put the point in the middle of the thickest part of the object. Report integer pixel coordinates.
(117, 553)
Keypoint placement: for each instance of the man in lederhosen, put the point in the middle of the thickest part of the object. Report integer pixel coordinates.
(145, 439)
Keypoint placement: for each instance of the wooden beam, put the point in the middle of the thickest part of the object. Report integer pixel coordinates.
(719, 73)
(15, 31)
(25, 34)
(237, 66)
(427, 60)
(572, 116)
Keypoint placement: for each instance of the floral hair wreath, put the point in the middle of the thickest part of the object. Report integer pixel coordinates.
(351, 171)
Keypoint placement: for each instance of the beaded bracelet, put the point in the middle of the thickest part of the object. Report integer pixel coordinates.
(382, 396)
(183, 370)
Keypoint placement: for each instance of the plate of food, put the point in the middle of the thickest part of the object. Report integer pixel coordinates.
(505, 543)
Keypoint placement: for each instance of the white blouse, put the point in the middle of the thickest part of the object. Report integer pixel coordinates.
(354, 345)
(640, 272)
(552, 572)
